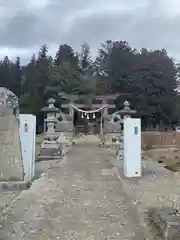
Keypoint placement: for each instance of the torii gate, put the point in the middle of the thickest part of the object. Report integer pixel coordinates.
(105, 107)
(86, 113)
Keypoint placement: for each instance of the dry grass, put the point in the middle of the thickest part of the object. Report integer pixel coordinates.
(39, 139)
(160, 139)
(163, 147)
(157, 145)
(169, 157)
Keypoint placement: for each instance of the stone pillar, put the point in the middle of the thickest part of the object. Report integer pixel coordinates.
(105, 110)
(121, 143)
(71, 112)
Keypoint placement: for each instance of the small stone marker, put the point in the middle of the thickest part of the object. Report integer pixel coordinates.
(132, 147)
(28, 143)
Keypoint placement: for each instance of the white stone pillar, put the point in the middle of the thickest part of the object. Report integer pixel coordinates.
(132, 147)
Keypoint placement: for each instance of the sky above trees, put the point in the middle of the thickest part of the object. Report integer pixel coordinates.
(26, 25)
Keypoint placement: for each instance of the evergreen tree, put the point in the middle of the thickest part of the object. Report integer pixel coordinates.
(150, 78)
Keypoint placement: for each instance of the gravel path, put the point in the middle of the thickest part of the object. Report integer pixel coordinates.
(6, 198)
(157, 187)
(78, 198)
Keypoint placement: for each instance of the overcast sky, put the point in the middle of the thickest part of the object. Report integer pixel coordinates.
(27, 24)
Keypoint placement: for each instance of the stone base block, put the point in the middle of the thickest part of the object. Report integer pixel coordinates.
(49, 154)
(166, 221)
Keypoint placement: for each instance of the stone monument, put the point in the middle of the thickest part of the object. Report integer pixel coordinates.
(11, 164)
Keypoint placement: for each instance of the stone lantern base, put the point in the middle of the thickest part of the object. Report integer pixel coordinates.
(50, 150)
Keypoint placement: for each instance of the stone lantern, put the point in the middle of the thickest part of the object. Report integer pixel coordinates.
(126, 111)
(50, 148)
(51, 120)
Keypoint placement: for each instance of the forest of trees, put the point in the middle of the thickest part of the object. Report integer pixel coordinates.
(151, 78)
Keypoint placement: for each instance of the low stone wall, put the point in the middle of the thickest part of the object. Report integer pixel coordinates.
(156, 139)
(149, 140)
(11, 165)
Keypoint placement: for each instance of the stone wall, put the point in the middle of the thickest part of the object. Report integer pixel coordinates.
(11, 166)
(150, 140)
(155, 139)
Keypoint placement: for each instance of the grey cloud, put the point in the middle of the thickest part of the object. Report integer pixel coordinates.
(98, 28)
(141, 31)
(145, 26)
(27, 29)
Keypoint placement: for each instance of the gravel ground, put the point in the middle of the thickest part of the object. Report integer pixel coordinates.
(6, 198)
(157, 186)
(78, 198)
(42, 166)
